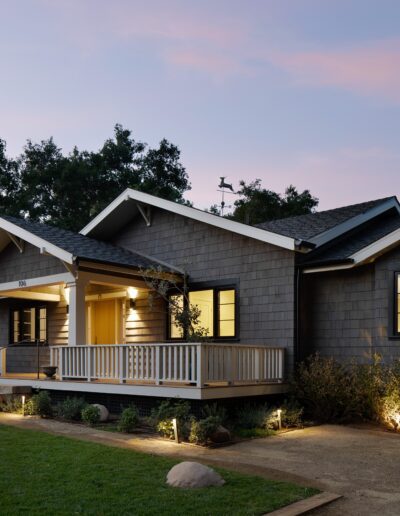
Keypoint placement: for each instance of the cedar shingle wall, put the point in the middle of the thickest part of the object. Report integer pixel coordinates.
(265, 273)
(16, 266)
(349, 314)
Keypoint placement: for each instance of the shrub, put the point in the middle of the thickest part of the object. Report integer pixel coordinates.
(325, 388)
(71, 409)
(292, 414)
(251, 416)
(202, 430)
(90, 415)
(167, 411)
(11, 404)
(331, 391)
(129, 419)
(215, 410)
(39, 405)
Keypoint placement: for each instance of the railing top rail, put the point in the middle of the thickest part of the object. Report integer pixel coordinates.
(155, 344)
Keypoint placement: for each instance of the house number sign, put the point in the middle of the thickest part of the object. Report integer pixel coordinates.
(22, 283)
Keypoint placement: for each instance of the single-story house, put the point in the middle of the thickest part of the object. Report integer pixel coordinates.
(269, 296)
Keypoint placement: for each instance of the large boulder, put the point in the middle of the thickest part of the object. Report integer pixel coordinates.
(103, 411)
(221, 435)
(193, 474)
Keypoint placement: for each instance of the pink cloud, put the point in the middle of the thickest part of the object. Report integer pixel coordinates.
(372, 69)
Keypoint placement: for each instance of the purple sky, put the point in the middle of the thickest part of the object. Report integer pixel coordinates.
(290, 91)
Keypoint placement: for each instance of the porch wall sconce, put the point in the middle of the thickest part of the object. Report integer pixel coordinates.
(132, 304)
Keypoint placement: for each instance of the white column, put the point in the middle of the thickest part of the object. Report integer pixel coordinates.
(77, 313)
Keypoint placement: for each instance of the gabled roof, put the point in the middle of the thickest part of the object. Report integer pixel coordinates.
(357, 245)
(131, 202)
(309, 227)
(70, 247)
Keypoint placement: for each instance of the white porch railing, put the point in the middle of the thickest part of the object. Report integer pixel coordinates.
(183, 363)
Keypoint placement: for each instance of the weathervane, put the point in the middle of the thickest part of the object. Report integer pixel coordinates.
(222, 188)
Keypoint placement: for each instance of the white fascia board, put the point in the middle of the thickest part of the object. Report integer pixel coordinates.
(352, 223)
(367, 253)
(195, 214)
(377, 247)
(26, 283)
(43, 245)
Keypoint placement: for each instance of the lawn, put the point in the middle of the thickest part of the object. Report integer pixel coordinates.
(46, 474)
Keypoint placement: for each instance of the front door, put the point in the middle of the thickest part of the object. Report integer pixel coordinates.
(105, 317)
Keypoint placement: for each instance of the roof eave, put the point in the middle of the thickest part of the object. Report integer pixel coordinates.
(192, 213)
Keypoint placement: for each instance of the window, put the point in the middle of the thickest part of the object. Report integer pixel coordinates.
(28, 324)
(217, 312)
(397, 304)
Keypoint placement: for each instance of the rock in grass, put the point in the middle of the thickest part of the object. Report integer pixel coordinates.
(103, 412)
(193, 474)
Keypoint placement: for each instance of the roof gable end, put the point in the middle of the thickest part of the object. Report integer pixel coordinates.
(123, 208)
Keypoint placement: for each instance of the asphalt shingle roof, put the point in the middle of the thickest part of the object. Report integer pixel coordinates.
(84, 247)
(305, 227)
(345, 247)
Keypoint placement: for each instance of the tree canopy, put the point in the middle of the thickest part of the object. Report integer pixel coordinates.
(69, 190)
(257, 204)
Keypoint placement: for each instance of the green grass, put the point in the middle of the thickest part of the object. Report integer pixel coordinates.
(46, 474)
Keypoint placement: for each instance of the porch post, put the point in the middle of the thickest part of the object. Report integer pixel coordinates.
(77, 313)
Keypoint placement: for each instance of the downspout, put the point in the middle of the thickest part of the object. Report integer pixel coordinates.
(297, 315)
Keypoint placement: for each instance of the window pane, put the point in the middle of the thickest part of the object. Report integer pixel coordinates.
(42, 324)
(226, 297)
(227, 328)
(204, 300)
(175, 331)
(226, 313)
(398, 303)
(15, 329)
(28, 324)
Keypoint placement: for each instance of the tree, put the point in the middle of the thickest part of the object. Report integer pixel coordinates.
(68, 191)
(257, 204)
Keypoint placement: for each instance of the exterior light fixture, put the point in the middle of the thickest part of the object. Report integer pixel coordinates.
(23, 405)
(279, 412)
(132, 304)
(175, 427)
(132, 292)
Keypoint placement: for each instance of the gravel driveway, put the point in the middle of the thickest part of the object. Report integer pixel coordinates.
(363, 464)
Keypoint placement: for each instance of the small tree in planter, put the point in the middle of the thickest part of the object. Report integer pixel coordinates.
(184, 314)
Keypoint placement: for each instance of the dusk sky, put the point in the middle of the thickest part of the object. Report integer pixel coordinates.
(303, 92)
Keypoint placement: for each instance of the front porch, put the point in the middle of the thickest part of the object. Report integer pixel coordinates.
(101, 333)
(187, 370)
